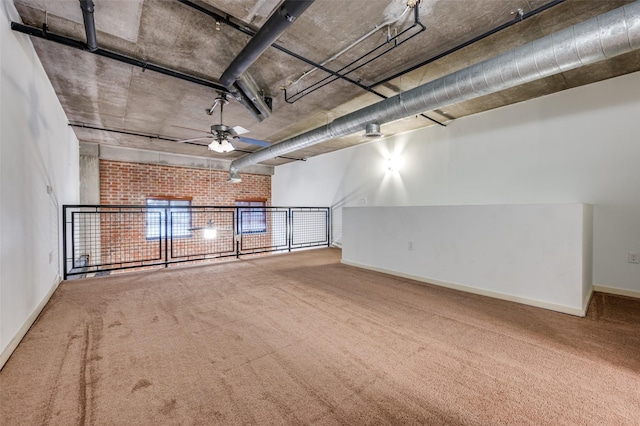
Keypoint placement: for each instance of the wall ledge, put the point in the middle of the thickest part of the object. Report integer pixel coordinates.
(525, 301)
(146, 156)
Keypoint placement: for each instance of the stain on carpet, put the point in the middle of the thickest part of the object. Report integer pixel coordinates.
(142, 383)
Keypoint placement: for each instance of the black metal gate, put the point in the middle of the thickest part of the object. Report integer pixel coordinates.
(102, 238)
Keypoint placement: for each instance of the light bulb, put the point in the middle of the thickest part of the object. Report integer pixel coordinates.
(394, 164)
(221, 146)
(210, 233)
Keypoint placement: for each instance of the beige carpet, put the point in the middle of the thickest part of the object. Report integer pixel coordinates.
(302, 339)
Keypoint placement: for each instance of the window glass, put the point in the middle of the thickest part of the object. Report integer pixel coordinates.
(179, 217)
(252, 217)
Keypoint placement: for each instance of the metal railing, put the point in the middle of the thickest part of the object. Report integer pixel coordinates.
(103, 238)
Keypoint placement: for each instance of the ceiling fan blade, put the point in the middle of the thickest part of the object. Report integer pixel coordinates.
(253, 141)
(194, 139)
(238, 130)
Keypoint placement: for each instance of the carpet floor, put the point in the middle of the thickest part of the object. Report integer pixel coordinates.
(303, 339)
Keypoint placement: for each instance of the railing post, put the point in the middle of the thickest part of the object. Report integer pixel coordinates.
(237, 231)
(64, 241)
(73, 240)
(290, 228)
(328, 227)
(166, 237)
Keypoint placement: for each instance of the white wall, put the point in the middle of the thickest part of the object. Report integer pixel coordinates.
(535, 254)
(580, 145)
(38, 173)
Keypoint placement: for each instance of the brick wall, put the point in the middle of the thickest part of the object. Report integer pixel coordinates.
(122, 238)
(132, 183)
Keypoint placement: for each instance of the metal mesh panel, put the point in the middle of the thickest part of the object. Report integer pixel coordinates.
(309, 227)
(262, 229)
(206, 233)
(103, 238)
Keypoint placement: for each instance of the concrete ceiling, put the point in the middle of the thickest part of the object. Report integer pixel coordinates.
(106, 94)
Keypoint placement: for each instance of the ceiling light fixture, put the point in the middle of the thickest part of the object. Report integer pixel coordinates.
(210, 231)
(221, 146)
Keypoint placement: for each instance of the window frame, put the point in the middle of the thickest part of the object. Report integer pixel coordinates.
(165, 209)
(261, 227)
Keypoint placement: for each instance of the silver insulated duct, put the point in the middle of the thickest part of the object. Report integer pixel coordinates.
(605, 36)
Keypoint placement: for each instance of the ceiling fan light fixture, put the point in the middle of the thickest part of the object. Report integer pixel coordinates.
(220, 146)
(210, 233)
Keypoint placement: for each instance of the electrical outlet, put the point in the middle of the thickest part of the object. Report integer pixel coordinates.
(410, 245)
(634, 257)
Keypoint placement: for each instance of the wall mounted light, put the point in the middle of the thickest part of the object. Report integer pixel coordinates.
(394, 164)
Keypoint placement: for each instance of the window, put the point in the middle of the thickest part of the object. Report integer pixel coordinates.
(179, 213)
(252, 217)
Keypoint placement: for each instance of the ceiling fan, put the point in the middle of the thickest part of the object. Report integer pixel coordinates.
(209, 230)
(223, 135)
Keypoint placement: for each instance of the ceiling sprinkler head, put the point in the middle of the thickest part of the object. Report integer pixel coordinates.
(373, 131)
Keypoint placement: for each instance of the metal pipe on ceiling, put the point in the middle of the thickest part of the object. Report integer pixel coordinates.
(277, 23)
(518, 18)
(355, 43)
(391, 43)
(89, 24)
(608, 35)
(157, 137)
(246, 30)
(229, 20)
(43, 33)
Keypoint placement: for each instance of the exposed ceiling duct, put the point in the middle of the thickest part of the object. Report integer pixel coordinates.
(605, 36)
(277, 23)
(89, 24)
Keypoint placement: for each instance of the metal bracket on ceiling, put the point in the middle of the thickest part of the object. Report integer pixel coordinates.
(220, 100)
(520, 13)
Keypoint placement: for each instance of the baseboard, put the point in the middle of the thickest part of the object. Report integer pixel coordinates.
(587, 300)
(616, 291)
(525, 301)
(13, 344)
